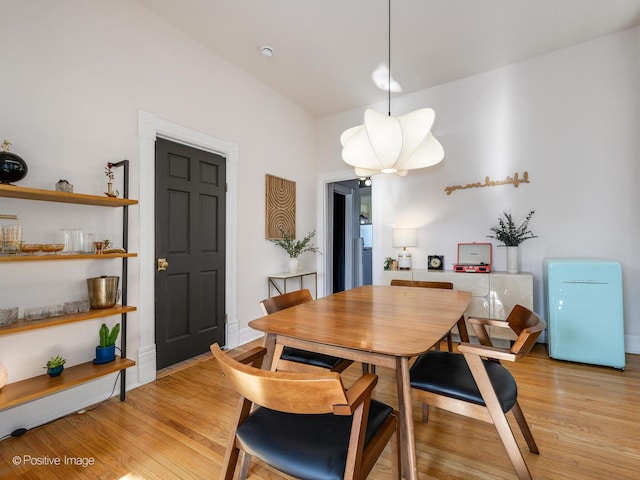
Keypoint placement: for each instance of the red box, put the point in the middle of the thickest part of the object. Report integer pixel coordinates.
(474, 258)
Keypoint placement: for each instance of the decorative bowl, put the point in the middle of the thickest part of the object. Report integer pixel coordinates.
(52, 247)
(31, 247)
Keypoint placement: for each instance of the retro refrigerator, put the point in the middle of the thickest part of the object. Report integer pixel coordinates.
(584, 311)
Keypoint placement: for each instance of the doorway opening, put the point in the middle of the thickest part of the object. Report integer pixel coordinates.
(349, 235)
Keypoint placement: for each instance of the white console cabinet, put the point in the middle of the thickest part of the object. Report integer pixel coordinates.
(493, 295)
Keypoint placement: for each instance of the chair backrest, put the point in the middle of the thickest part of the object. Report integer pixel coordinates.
(286, 300)
(527, 326)
(421, 283)
(308, 393)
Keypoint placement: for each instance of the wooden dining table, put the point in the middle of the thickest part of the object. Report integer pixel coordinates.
(375, 325)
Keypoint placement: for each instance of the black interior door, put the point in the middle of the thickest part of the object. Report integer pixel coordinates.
(190, 235)
(339, 247)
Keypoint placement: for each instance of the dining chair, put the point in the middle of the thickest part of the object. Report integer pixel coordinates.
(475, 384)
(295, 359)
(462, 326)
(305, 425)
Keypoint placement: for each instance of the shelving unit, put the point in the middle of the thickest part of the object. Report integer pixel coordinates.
(42, 385)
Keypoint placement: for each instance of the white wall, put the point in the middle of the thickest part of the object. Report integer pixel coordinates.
(75, 75)
(570, 118)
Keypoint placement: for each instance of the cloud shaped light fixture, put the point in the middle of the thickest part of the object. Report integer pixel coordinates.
(387, 144)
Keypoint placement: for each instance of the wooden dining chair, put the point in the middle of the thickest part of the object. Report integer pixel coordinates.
(475, 384)
(462, 326)
(305, 424)
(295, 359)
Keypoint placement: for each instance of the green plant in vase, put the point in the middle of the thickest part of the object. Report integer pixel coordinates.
(55, 365)
(512, 235)
(106, 349)
(295, 248)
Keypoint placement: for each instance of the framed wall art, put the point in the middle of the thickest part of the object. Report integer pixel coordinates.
(280, 207)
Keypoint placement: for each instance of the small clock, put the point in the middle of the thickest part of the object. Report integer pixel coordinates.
(436, 262)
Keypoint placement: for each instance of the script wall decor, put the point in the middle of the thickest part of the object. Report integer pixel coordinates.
(280, 207)
(515, 181)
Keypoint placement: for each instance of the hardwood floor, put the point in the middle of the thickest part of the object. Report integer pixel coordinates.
(584, 419)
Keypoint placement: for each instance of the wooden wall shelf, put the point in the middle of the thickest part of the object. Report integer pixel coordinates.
(33, 388)
(24, 325)
(12, 191)
(51, 258)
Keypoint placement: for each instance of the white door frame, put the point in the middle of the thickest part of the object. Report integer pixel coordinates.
(149, 128)
(324, 263)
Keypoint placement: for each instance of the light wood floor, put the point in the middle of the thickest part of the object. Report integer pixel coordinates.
(585, 419)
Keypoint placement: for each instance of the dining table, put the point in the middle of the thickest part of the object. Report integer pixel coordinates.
(378, 325)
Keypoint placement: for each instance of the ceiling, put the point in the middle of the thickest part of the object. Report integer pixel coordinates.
(326, 50)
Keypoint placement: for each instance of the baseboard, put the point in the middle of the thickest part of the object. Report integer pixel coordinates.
(632, 344)
(146, 364)
(247, 335)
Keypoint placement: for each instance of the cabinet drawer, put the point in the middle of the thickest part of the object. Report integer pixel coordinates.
(508, 290)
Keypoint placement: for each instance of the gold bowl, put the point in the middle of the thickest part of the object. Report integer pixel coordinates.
(31, 247)
(52, 247)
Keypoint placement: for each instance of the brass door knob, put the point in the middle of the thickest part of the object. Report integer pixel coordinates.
(162, 264)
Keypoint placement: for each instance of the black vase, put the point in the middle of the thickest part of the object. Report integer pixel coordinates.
(12, 167)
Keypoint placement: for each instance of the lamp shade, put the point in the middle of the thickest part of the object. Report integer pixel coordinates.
(387, 144)
(404, 237)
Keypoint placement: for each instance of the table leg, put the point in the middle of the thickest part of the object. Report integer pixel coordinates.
(408, 458)
(270, 344)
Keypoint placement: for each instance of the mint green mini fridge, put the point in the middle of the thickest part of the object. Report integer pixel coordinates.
(584, 311)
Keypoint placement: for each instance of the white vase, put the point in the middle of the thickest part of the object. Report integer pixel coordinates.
(293, 265)
(513, 260)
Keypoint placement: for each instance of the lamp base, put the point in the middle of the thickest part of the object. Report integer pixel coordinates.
(404, 261)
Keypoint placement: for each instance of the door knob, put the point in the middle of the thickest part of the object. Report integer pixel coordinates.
(162, 264)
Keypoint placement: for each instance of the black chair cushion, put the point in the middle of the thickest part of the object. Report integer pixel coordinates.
(311, 447)
(448, 374)
(310, 358)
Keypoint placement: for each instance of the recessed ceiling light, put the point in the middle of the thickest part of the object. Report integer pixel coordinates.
(266, 51)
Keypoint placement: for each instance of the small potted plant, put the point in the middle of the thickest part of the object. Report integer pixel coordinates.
(55, 366)
(106, 350)
(512, 235)
(388, 263)
(295, 248)
(110, 176)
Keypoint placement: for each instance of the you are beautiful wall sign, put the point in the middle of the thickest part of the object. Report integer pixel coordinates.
(515, 181)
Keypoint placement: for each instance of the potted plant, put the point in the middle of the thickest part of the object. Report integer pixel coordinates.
(512, 235)
(55, 366)
(295, 248)
(110, 176)
(388, 263)
(106, 350)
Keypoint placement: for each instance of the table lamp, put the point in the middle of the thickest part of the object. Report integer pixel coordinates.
(403, 238)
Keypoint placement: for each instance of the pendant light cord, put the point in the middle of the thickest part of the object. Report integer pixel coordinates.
(389, 53)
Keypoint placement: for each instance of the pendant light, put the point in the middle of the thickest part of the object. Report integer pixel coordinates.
(388, 144)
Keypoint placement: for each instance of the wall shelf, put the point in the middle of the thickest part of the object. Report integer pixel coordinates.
(12, 191)
(51, 258)
(14, 394)
(24, 325)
